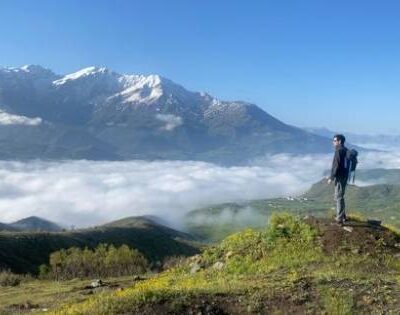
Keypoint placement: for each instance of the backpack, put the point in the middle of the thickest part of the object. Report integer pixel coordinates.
(351, 161)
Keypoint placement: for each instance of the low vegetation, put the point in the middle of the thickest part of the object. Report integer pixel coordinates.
(292, 266)
(35, 296)
(25, 252)
(104, 261)
(9, 279)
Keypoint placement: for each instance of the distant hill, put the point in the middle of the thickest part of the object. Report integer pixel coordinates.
(7, 227)
(25, 251)
(137, 221)
(375, 200)
(379, 176)
(36, 224)
(148, 221)
(31, 224)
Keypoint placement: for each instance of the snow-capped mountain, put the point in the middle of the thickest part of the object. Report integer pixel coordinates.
(96, 113)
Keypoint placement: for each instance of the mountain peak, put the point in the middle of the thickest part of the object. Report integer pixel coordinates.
(132, 88)
(29, 69)
(34, 68)
(92, 70)
(83, 73)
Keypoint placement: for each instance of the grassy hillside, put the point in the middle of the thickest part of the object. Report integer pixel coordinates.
(7, 227)
(291, 267)
(375, 201)
(379, 175)
(25, 251)
(366, 199)
(34, 295)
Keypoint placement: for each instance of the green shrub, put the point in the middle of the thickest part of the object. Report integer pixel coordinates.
(240, 265)
(287, 241)
(104, 261)
(287, 227)
(245, 243)
(338, 301)
(241, 241)
(44, 272)
(9, 279)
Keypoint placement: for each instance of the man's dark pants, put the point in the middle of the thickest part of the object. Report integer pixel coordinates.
(340, 188)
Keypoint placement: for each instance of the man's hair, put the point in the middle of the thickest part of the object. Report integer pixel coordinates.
(340, 138)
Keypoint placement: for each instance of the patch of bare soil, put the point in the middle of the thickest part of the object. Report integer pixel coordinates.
(355, 236)
(24, 307)
(293, 300)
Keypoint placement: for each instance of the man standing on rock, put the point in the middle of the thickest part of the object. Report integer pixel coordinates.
(339, 175)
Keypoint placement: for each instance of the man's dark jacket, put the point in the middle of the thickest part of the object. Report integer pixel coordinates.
(339, 168)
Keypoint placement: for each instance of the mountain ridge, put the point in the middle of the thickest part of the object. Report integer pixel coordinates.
(96, 113)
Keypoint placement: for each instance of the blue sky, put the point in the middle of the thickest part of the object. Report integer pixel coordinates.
(309, 63)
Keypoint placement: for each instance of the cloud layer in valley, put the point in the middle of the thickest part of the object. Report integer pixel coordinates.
(85, 193)
(11, 119)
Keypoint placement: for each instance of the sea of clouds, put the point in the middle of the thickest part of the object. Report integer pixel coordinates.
(84, 193)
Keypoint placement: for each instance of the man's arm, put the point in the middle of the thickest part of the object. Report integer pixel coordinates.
(335, 165)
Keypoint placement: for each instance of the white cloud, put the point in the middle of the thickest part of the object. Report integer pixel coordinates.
(11, 119)
(84, 193)
(171, 121)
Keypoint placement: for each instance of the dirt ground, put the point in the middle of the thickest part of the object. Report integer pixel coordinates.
(355, 236)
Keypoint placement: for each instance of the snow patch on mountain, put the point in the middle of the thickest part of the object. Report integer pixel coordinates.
(140, 88)
(86, 72)
(30, 70)
(11, 119)
(129, 88)
(171, 121)
(215, 102)
(35, 69)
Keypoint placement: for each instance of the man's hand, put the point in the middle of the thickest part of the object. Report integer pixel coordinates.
(329, 181)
